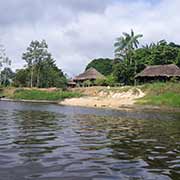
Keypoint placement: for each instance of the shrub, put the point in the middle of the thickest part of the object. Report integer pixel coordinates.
(100, 82)
(44, 95)
(87, 83)
(111, 80)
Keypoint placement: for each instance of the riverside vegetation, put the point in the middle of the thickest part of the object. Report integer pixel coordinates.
(158, 94)
(161, 94)
(37, 94)
(129, 60)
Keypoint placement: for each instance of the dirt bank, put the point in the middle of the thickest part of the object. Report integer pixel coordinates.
(106, 98)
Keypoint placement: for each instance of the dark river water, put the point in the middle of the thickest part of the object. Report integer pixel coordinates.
(50, 142)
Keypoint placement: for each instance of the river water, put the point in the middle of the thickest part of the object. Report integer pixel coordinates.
(50, 142)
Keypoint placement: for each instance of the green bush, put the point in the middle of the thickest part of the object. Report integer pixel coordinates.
(87, 83)
(108, 81)
(161, 94)
(44, 95)
(100, 82)
(111, 80)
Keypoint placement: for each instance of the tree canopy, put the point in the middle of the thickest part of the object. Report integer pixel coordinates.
(7, 76)
(154, 54)
(130, 58)
(125, 47)
(4, 62)
(41, 70)
(104, 66)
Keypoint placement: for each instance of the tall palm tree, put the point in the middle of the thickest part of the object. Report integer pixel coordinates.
(120, 47)
(125, 46)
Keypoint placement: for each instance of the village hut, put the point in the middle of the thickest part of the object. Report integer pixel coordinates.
(159, 73)
(71, 83)
(91, 74)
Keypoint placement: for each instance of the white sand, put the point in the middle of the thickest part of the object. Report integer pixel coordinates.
(106, 100)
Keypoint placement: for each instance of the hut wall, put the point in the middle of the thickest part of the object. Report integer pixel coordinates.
(147, 79)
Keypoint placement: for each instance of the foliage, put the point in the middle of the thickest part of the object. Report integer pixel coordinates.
(100, 82)
(41, 69)
(7, 76)
(124, 50)
(124, 72)
(87, 83)
(35, 54)
(54, 77)
(154, 54)
(158, 54)
(161, 94)
(4, 61)
(34, 94)
(21, 78)
(104, 66)
(125, 45)
(108, 81)
(166, 99)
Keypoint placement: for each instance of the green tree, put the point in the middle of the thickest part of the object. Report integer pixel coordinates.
(157, 54)
(34, 56)
(42, 69)
(54, 77)
(7, 76)
(125, 47)
(104, 66)
(4, 60)
(21, 78)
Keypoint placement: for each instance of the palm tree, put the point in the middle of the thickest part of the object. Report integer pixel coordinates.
(121, 47)
(125, 46)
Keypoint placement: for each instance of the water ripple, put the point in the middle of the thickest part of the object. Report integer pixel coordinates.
(45, 142)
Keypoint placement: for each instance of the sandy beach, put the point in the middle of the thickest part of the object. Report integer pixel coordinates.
(108, 99)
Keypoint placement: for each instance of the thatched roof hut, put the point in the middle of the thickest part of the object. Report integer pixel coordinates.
(90, 74)
(159, 72)
(71, 83)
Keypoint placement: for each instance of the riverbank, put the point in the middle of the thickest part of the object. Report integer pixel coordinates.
(106, 98)
(155, 96)
(148, 96)
(161, 94)
(35, 94)
(29, 101)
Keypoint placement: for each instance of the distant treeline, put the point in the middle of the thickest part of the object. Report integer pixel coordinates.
(41, 71)
(123, 69)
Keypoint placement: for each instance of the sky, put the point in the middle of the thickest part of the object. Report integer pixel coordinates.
(78, 31)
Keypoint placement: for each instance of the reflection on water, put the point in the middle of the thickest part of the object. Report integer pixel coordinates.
(48, 142)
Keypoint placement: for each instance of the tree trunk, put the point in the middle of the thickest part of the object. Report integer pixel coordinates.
(38, 78)
(135, 71)
(31, 77)
(0, 79)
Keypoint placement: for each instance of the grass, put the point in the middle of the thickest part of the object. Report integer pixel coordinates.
(43, 95)
(161, 94)
(158, 94)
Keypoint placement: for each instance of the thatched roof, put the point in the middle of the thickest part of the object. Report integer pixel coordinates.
(71, 82)
(169, 70)
(90, 74)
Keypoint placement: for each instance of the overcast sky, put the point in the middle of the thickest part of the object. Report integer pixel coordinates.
(80, 30)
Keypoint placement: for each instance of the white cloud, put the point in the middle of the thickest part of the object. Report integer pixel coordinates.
(77, 34)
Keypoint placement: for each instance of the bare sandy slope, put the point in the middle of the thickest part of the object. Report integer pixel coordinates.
(104, 99)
